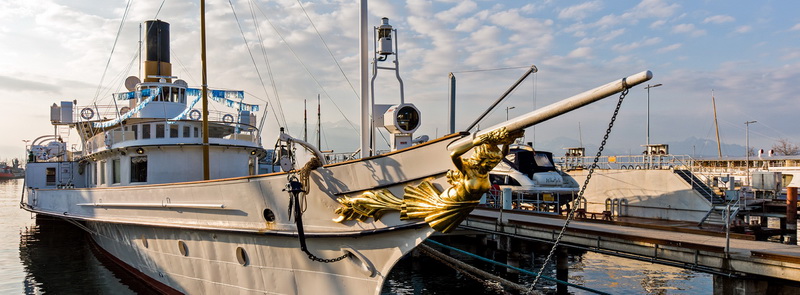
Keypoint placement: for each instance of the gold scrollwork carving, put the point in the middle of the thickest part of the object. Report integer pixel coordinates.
(442, 210)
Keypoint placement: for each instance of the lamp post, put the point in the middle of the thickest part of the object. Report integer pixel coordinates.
(747, 146)
(508, 108)
(26, 141)
(647, 141)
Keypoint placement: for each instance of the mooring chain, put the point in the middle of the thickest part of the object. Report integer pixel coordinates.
(576, 201)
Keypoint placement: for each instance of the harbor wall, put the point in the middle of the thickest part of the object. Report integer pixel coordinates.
(660, 194)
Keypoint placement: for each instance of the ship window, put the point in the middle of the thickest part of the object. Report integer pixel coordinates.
(102, 172)
(196, 132)
(174, 94)
(135, 129)
(115, 171)
(187, 131)
(173, 131)
(145, 131)
(139, 169)
(94, 173)
(50, 176)
(183, 248)
(159, 130)
(241, 256)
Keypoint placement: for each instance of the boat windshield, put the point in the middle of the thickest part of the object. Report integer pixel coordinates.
(542, 160)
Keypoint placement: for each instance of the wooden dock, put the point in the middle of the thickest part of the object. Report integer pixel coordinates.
(661, 242)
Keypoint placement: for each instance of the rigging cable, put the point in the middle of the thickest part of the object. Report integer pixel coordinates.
(113, 47)
(269, 69)
(306, 69)
(260, 78)
(337, 62)
(328, 48)
(576, 201)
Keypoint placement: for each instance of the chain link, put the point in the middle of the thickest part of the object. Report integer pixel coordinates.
(577, 201)
(323, 260)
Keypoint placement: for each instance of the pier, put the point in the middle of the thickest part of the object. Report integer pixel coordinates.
(740, 265)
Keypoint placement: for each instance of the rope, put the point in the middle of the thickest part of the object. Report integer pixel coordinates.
(525, 271)
(493, 281)
(576, 201)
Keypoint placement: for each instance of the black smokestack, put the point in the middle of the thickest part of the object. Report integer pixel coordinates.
(157, 40)
(156, 61)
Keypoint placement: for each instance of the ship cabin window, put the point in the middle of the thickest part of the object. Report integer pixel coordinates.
(187, 131)
(145, 131)
(50, 176)
(115, 171)
(102, 172)
(196, 132)
(173, 131)
(94, 173)
(139, 169)
(135, 129)
(159, 130)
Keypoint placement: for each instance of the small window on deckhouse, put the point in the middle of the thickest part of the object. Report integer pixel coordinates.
(115, 171)
(139, 169)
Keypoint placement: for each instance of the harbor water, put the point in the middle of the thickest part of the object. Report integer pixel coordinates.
(46, 256)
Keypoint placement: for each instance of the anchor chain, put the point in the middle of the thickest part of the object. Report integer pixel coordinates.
(298, 206)
(576, 201)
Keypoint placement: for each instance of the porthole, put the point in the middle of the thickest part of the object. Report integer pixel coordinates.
(241, 255)
(144, 242)
(183, 248)
(269, 216)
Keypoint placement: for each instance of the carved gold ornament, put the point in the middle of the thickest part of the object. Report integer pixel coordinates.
(443, 211)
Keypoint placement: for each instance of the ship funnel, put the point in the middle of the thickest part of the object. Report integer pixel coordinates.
(156, 63)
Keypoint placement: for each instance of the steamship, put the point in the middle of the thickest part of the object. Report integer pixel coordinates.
(172, 192)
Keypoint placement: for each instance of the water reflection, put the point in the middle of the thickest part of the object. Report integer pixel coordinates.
(57, 260)
(424, 275)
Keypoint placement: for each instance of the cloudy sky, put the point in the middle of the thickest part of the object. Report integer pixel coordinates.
(747, 52)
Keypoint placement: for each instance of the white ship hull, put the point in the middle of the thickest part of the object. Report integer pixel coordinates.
(187, 236)
(275, 265)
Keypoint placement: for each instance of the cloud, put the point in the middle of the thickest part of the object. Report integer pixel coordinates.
(718, 19)
(795, 28)
(582, 52)
(743, 29)
(658, 24)
(17, 85)
(579, 11)
(453, 14)
(669, 48)
(688, 29)
(635, 45)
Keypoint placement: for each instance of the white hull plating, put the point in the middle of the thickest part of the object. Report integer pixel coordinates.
(212, 263)
(146, 226)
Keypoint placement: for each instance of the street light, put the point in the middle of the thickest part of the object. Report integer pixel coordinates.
(747, 145)
(508, 108)
(647, 141)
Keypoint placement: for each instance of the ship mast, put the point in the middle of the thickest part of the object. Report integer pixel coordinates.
(716, 125)
(366, 123)
(204, 91)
